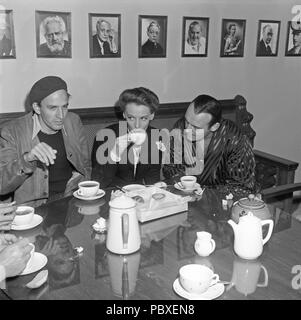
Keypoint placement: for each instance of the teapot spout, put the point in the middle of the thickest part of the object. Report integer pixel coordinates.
(233, 224)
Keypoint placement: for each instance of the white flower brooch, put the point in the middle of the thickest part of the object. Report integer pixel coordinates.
(161, 146)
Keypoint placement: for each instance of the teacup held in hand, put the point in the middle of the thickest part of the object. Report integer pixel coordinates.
(137, 137)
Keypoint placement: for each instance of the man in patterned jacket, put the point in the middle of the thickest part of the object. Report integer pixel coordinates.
(209, 147)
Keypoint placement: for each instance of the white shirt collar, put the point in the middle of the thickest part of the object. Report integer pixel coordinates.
(37, 126)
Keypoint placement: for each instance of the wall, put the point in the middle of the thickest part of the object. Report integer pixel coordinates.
(270, 85)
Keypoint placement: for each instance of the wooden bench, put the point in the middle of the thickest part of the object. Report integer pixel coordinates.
(270, 170)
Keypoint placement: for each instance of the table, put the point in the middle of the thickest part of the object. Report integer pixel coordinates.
(167, 244)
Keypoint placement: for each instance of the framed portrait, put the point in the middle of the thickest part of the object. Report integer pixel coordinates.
(195, 37)
(105, 35)
(53, 34)
(268, 38)
(152, 36)
(293, 39)
(7, 39)
(233, 38)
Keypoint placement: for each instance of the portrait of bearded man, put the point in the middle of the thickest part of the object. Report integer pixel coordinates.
(55, 33)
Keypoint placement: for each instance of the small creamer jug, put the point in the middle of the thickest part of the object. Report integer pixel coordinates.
(204, 244)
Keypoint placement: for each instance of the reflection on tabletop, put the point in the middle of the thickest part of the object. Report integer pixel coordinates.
(50, 239)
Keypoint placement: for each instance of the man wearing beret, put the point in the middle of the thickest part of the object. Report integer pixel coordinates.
(44, 154)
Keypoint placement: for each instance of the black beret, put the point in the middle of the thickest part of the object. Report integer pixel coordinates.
(44, 87)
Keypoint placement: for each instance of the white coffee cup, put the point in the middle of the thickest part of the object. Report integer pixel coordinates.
(188, 182)
(24, 215)
(137, 137)
(88, 188)
(196, 279)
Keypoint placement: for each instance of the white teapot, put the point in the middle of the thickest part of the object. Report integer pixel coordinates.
(248, 241)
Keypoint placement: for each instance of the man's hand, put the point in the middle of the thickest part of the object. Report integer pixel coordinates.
(7, 215)
(112, 42)
(42, 152)
(14, 257)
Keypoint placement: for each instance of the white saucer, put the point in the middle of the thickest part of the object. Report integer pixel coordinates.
(39, 260)
(134, 187)
(212, 293)
(36, 220)
(196, 186)
(100, 193)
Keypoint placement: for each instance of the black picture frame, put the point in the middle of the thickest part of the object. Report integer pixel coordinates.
(233, 41)
(111, 48)
(266, 27)
(7, 38)
(147, 48)
(290, 49)
(188, 48)
(56, 41)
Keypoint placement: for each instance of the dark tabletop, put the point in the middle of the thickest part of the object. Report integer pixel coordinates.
(166, 245)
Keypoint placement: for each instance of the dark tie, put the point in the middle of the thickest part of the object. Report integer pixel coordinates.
(269, 50)
(106, 48)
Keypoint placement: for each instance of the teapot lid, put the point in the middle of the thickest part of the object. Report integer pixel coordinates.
(251, 202)
(122, 202)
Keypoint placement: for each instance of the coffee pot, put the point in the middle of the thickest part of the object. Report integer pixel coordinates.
(248, 240)
(123, 228)
(251, 203)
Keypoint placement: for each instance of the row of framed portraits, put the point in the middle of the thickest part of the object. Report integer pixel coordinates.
(53, 36)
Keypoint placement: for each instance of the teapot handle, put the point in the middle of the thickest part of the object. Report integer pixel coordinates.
(271, 226)
(125, 230)
(266, 278)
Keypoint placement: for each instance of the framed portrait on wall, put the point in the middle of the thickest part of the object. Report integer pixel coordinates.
(293, 39)
(268, 38)
(53, 34)
(195, 36)
(105, 35)
(152, 36)
(233, 38)
(7, 39)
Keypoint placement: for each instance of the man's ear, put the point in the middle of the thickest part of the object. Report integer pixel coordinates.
(151, 117)
(124, 117)
(36, 108)
(215, 127)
